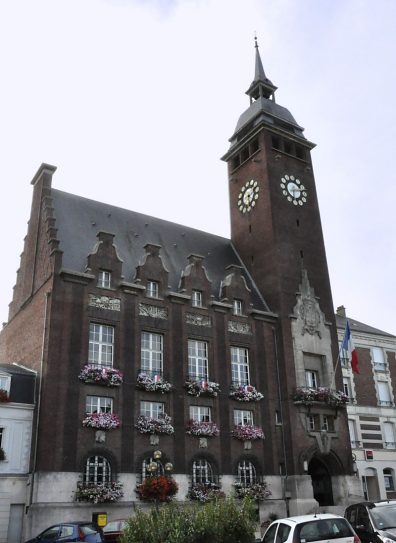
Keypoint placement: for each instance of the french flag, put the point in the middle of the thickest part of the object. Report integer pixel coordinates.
(348, 346)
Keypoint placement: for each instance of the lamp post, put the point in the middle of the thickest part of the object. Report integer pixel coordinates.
(154, 469)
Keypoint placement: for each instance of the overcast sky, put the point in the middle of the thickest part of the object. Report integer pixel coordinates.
(134, 102)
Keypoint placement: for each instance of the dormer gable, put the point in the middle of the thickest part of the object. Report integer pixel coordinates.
(234, 289)
(104, 262)
(194, 281)
(152, 273)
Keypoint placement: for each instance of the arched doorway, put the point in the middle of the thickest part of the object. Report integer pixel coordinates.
(321, 482)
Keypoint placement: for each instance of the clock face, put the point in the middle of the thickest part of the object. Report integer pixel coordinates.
(294, 190)
(248, 196)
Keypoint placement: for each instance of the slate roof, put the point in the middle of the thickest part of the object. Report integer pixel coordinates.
(360, 327)
(78, 221)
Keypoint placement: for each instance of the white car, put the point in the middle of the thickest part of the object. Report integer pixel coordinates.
(320, 527)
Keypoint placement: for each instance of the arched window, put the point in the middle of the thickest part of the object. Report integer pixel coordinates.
(202, 472)
(388, 480)
(145, 465)
(246, 473)
(97, 470)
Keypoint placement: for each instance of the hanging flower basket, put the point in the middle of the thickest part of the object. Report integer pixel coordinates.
(202, 388)
(204, 492)
(4, 397)
(308, 396)
(202, 429)
(2, 454)
(99, 493)
(157, 489)
(147, 425)
(246, 393)
(109, 377)
(152, 384)
(101, 421)
(256, 491)
(248, 432)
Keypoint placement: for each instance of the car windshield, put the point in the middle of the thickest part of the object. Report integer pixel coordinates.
(331, 528)
(88, 529)
(384, 517)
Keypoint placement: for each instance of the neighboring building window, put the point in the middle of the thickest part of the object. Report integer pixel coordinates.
(237, 307)
(196, 298)
(101, 345)
(152, 289)
(239, 366)
(98, 404)
(1, 436)
(347, 387)
(97, 470)
(104, 279)
(246, 473)
(152, 410)
(197, 359)
(202, 472)
(388, 480)
(389, 435)
(5, 383)
(311, 378)
(152, 353)
(200, 413)
(379, 359)
(242, 417)
(343, 356)
(353, 434)
(384, 397)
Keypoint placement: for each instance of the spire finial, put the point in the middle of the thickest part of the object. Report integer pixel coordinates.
(255, 40)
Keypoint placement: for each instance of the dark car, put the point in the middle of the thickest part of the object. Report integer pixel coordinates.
(374, 522)
(70, 531)
(113, 530)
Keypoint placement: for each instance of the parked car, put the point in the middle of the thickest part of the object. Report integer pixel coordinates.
(113, 530)
(70, 531)
(310, 528)
(373, 521)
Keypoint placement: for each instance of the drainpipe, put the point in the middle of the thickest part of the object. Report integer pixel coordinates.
(284, 496)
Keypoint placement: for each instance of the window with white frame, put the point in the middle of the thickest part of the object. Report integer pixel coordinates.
(346, 381)
(98, 404)
(152, 289)
(328, 423)
(246, 473)
(240, 366)
(378, 359)
(242, 417)
(104, 279)
(313, 423)
(343, 356)
(152, 410)
(353, 433)
(384, 397)
(311, 379)
(197, 359)
(388, 480)
(237, 307)
(5, 382)
(196, 298)
(389, 435)
(97, 470)
(151, 353)
(202, 472)
(101, 345)
(200, 413)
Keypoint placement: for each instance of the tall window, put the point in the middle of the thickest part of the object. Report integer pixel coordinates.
(101, 345)
(343, 356)
(5, 382)
(353, 434)
(313, 423)
(243, 417)
(98, 404)
(311, 378)
(384, 397)
(152, 289)
(202, 472)
(200, 413)
(104, 279)
(196, 298)
(1, 436)
(237, 307)
(152, 410)
(388, 480)
(389, 435)
(197, 359)
(246, 473)
(347, 386)
(152, 353)
(378, 359)
(240, 366)
(97, 470)
(328, 423)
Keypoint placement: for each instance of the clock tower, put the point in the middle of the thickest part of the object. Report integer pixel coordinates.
(276, 230)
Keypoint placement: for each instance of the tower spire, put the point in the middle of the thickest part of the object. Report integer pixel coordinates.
(261, 86)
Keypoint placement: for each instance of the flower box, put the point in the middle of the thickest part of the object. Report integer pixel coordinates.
(245, 393)
(256, 491)
(152, 384)
(4, 397)
(157, 489)
(202, 388)
(248, 432)
(147, 425)
(308, 396)
(99, 492)
(204, 492)
(202, 429)
(101, 421)
(95, 375)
